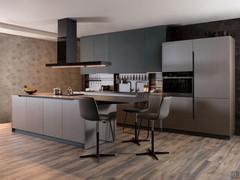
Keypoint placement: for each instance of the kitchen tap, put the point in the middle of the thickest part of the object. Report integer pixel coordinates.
(136, 83)
(130, 82)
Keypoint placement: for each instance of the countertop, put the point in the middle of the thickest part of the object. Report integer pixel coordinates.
(107, 98)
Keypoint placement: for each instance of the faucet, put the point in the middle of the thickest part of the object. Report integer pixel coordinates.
(130, 82)
(136, 89)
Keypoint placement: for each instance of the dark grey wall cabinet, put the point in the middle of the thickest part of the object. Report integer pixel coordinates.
(153, 48)
(132, 51)
(94, 48)
(127, 51)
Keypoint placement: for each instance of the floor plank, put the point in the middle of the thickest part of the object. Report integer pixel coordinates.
(191, 157)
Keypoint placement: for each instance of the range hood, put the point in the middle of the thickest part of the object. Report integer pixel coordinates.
(67, 47)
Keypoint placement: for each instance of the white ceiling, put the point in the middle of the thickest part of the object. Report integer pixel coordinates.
(122, 14)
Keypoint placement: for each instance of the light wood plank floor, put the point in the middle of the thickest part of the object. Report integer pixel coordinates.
(191, 157)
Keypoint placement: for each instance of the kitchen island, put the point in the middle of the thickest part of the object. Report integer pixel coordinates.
(58, 117)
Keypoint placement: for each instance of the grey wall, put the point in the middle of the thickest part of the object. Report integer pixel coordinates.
(198, 31)
(22, 62)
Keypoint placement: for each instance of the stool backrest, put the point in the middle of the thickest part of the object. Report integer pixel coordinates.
(88, 109)
(165, 107)
(154, 103)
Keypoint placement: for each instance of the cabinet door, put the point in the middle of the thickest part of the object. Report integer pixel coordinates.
(86, 49)
(95, 48)
(34, 115)
(181, 114)
(177, 56)
(212, 116)
(211, 67)
(19, 112)
(73, 124)
(127, 52)
(53, 117)
(154, 37)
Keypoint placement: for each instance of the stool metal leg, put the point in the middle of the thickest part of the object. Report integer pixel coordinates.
(150, 151)
(111, 128)
(97, 155)
(161, 126)
(135, 139)
(139, 128)
(125, 120)
(148, 129)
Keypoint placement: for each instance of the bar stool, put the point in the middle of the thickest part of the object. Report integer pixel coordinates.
(89, 111)
(154, 104)
(163, 113)
(136, 111)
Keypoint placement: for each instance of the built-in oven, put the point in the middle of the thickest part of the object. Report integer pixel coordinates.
(178, 82)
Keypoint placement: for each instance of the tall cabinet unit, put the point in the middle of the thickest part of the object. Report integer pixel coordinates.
(214, 88)
(212, 105)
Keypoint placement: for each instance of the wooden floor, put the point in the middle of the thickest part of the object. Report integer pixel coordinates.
(191, 157)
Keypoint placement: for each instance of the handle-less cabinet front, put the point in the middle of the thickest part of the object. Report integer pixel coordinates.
(212, 116)
(154, 37)
(34, 115)
(94, 48)
(177, 56)
(127, 51)
(211, 67)
(181, 114)
(53, 117)
(19, 112)
(72, 121)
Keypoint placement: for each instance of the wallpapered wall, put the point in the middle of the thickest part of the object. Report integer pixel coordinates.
(22, 62)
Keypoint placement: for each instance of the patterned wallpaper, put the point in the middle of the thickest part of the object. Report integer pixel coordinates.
(22, 62)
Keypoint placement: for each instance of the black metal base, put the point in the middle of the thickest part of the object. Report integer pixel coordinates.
(97, 155)
(135, 141)
(151, 153)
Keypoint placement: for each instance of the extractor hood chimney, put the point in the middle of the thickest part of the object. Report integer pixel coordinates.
(67, 47)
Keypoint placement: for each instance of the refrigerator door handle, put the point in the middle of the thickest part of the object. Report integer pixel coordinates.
(193, 63)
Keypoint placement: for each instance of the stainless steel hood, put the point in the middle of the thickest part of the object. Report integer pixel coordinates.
(67, 47)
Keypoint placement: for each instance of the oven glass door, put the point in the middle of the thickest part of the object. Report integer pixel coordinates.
(177, 85)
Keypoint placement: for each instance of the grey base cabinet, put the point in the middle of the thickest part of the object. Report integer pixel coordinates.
(34, 115)
(71, 121)
(212, 116)
(53, 117)
(181, 114)
(19, 112)
(60, 119)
